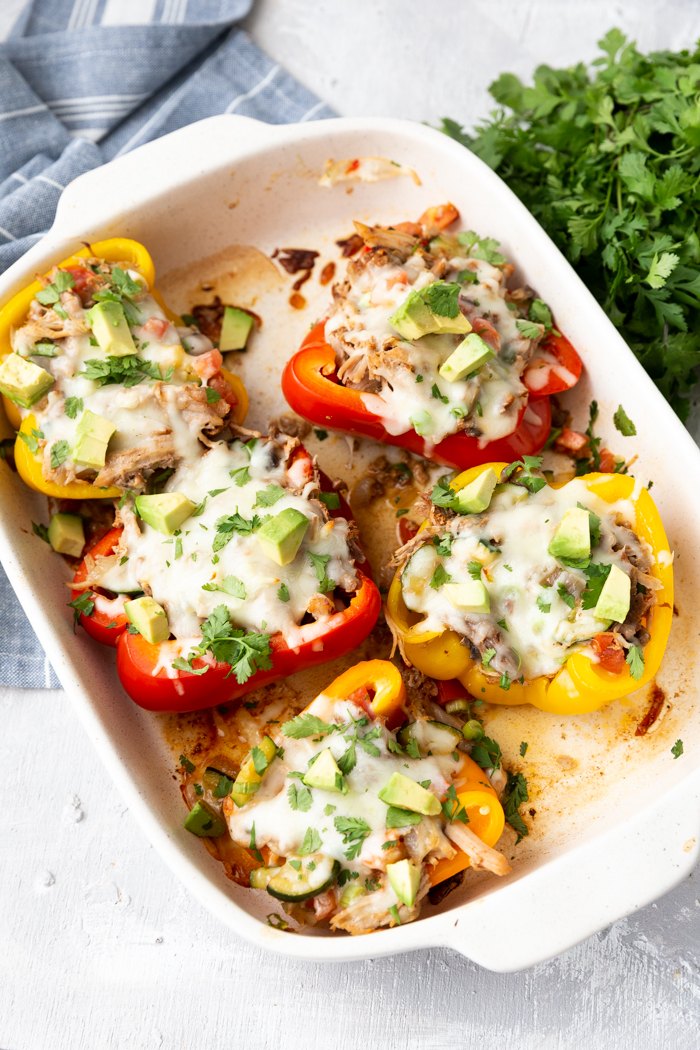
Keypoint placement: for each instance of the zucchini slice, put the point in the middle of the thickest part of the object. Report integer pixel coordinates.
(437, 737)
(417, 575)
(301, 878)
(259, 877)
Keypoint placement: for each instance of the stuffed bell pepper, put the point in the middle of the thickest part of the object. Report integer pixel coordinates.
(558, 596)
(351, 811)
(426, 347)
(102, 382)
(240, 572)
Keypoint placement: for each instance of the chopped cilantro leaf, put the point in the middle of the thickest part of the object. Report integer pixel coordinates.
(41, 531)
(439, 577)
(354, 831)
(523, 748)
(677, 749)
(311, 843)
(283, 592)
(487, 754)
(514, 797)
(267, 497)
(623, 423)
(189, 767)
(72, 406)
(299, 797)
(542, 605)
(635, 662)
(401, 818)
(442, 298)
(229, 585)
(567, 598)
(306, 725)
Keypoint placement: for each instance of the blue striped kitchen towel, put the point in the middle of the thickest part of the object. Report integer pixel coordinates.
(83, 81)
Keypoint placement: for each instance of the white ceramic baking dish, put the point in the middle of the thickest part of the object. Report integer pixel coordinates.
(230, 179)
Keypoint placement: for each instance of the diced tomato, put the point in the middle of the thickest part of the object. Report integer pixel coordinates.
(352, 166)
(611, 655)
(206, 365)
(410, 227)
(487, 332)
(218, 382)
(85, 281)
(572, 440)
(156, 327)
(398, 278)
(441, 216)
(607, 462)
(451, 689)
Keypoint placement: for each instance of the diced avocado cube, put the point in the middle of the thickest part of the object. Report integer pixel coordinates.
(149, 618)
(403, 792)
(422, 422)
(614, 601)
(92, 437)
(476, 496)
(22, 381)
(413, 318)
(443, 325)
(324, 773)
(404, 877)
(66, 534)
(111, 330)
(280, 537)
(201, 821)
(235, 329)
(165, 511)
(572, 538)
(470, 596)
(470, 355)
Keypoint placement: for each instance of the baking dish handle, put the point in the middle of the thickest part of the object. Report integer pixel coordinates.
(159, 167)
(580, 892)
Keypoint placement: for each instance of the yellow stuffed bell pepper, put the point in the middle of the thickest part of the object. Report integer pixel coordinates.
(13, 315)
(581, 685)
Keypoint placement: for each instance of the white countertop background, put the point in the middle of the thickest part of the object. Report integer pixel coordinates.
(100, 947)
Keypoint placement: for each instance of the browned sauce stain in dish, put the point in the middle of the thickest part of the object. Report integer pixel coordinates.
(295, 259)
(350, 245)
(327, 273)
(657, 702)
(301, 280)
(297, 301)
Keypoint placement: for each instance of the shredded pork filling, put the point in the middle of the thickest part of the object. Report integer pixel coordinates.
(162, 405)
(540, 609)
(399, 378)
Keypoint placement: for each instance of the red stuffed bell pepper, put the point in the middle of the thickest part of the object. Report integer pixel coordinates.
(237, 653)
(99, 611)
(427, 349)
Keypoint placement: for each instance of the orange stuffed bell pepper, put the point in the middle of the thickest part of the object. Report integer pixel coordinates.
(109, 318)
(353, 820)
(561, 597)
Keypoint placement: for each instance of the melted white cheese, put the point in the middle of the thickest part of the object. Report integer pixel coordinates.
(282, 828)
(514, 578)
(134, 412)
(175, 569)
(490, 400)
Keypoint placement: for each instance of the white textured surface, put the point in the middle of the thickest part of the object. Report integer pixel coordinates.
(101, 948)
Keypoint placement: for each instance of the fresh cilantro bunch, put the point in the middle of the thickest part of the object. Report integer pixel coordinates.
(607, 160)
